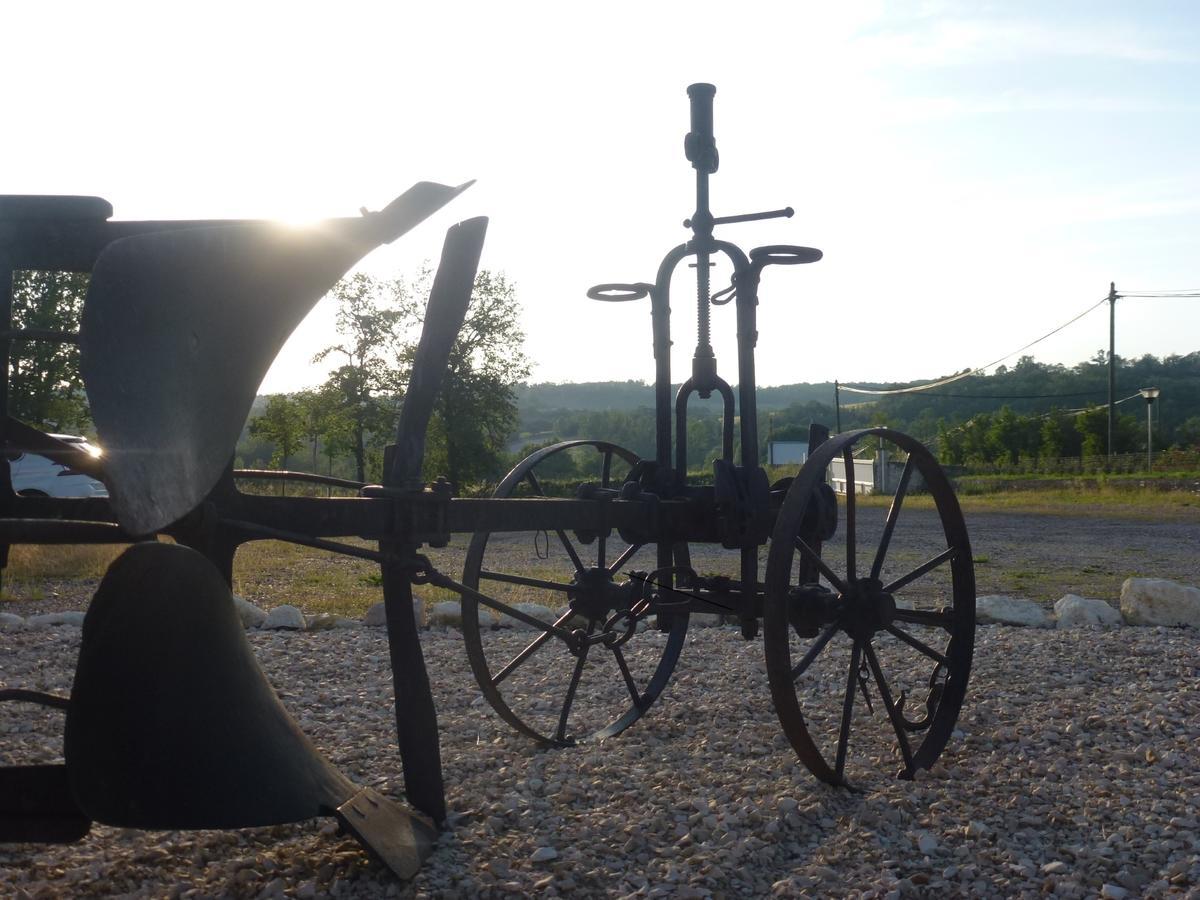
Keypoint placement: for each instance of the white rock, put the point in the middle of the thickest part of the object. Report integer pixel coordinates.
(997, 609)
(1156, 601)
(1113, 892)
(376, 616)
(8, 620)
(530, 609)
(446, 613)
(1073, 611)
(70, 617)
(926, 843)
(286, 617)
(251, 615)
(976, 829)
(705, 620)
(543, 854)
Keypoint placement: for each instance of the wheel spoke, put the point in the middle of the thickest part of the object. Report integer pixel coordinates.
(851, 542)
(530, 650)
(523, 580)
(625, 556)
(815, 558)
(566, 542)
(847, 710)
(815, 650)
(601, 546)
(893, 713)
(504, 608)
(576, 675)
(628, 676)
(534, 483)
(893, 514)
(916, 644)
(925, 567)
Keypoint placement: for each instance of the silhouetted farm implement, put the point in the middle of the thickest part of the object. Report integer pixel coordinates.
(170, 724)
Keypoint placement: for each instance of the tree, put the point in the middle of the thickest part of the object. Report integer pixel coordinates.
(475, 412)
(281, 423)
(45, 387)
(476, 409)
(363, 390)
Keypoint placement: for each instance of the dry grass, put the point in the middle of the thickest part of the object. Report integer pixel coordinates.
(1114, 503)
(271, 573)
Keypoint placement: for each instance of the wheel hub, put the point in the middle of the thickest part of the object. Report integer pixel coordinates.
(595, 594)
(867, 608)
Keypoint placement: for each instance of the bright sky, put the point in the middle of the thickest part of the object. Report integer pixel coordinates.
(976, 173)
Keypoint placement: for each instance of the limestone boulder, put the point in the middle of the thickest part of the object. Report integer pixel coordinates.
(9, 620)
(285, 618)
(543, 613)
(71, 617)
(1156, 601)
(1073, 611)
(251, 615)
(328, 622)
(376, 616)
(447, 614)
(998, 609)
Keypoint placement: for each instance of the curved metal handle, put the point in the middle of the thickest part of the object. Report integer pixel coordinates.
(784, 255)
(619, 293)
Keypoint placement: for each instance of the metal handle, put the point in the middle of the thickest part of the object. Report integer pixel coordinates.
(700, 147)
(619, 293)
(784, 255)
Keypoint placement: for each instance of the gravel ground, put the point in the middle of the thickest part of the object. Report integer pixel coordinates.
(1076, 771)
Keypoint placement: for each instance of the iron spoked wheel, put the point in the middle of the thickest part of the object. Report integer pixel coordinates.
(565, 646)
(869, 639)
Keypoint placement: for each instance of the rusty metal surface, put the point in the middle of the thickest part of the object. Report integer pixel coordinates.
(36, 805)
(180, 327)
(172, 724)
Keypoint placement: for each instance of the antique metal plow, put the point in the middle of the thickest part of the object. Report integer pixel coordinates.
(575, 607)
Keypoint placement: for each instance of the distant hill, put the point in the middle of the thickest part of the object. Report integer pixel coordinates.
(626, 396)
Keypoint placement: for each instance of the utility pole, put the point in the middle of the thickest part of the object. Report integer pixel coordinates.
(1112, 358)
(837, 403)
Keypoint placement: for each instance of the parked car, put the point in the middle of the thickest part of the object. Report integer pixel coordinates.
(36, 476)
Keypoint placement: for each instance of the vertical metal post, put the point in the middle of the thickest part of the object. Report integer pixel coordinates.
(1149, 435)
(1112, 360)
(6, 300)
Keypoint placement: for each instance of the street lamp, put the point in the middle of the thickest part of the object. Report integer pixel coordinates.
(1151, 394)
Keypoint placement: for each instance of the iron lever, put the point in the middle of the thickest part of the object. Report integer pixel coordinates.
(786, 213)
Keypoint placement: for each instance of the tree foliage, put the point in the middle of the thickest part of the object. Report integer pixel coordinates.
(476, 409)
(362, 392)
(378, 325)
(282, 423)
(45, 387)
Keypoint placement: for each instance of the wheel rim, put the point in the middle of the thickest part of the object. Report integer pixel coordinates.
(609, 674)
(831, 653)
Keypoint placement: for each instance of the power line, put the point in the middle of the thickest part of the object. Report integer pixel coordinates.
(1147, 296)
(953, 378)
(1066, 412)
(1018, 396)
(1180, 292)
